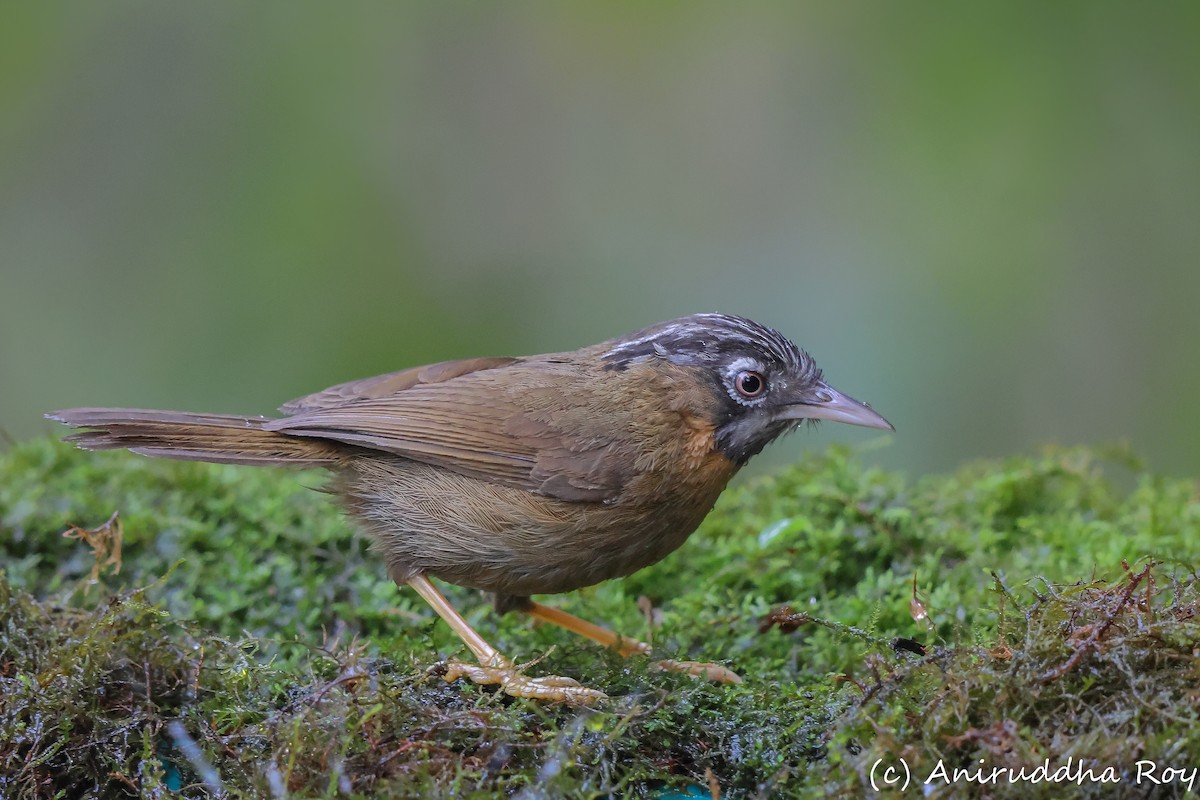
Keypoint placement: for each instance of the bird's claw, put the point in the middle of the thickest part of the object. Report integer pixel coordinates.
(701, 669)
(515, 683)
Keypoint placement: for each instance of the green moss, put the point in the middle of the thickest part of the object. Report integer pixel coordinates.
(251, 642)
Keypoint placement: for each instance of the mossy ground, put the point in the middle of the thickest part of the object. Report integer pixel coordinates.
(250, 645)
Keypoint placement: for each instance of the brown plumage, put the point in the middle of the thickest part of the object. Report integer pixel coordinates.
(524, 476)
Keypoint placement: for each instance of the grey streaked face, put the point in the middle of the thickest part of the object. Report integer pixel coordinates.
(765, 384)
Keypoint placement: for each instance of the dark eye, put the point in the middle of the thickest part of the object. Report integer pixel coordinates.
(749, 384)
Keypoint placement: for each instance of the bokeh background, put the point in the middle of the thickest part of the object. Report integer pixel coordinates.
(982, 218)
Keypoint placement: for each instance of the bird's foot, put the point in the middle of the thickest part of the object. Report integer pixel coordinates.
(701, 669)
(515, 683)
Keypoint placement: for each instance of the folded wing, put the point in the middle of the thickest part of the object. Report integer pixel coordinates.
(503, 428)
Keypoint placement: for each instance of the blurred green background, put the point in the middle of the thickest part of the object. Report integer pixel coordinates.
(982, 218)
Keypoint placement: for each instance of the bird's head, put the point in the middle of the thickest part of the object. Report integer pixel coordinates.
(761, 384)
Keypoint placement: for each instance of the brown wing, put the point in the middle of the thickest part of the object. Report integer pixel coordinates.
(503, 425)
(392, 382)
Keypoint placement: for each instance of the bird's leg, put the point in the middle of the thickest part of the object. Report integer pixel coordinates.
(494, 668)
(624, 645)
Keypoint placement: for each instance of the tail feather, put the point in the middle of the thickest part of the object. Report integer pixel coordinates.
(219, 438)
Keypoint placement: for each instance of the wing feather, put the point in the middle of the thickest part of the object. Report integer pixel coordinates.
(498, 420)
(392, 382)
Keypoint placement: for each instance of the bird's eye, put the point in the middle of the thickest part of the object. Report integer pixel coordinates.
(749, 384)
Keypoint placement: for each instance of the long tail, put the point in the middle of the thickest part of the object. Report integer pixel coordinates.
(219, 438)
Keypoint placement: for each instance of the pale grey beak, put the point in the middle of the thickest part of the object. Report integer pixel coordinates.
(825, 402)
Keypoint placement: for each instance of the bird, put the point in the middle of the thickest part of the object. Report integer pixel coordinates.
(523, 476)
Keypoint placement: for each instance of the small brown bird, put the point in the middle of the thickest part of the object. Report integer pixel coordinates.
(524, 476)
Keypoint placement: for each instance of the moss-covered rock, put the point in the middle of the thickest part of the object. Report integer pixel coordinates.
(1018, 613)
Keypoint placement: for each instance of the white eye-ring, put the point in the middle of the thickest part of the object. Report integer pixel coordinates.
(746, 381)
(750, 384)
